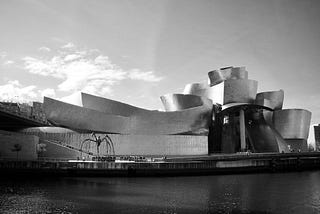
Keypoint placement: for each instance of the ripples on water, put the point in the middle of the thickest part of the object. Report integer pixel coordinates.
(251, 193)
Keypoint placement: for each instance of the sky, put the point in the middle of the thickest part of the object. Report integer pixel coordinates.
(137, 50)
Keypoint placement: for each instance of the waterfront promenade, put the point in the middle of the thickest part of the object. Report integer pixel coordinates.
(196, 165)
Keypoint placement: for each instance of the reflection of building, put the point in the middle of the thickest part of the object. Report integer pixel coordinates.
(225, 115)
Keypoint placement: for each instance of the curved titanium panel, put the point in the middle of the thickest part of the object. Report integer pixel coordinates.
(72, 116)
(263, 136)
(97, 116)
(292, 123)
(228, 91)
(240, 91)
(111, 106)
(198, 89)
(237, 106)
(275, 99)
(193, 120)
(178, 102)
(218, 76)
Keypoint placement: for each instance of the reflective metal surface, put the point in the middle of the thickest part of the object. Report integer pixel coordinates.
(111, 106)
(196, 89)
(240, 91)
(263, 136)
(178, 102)
(273, 99)
(218, 76)
(98, 116)
(71, 116)
(228, 91)
(292, 123)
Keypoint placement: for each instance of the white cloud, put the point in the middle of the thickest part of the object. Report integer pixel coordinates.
(43, 67)
(74, 98)
(72, 57)
(69, 45)
(3, 55)
(84, 70)
(44, 49)
(48, 92)
(8, 62)
(147, 76)
(14, 91)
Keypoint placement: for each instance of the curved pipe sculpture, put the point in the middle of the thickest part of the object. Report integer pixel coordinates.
(274, 99)
(97, 116)
(178, 102)
(292, 123)
(218, 76)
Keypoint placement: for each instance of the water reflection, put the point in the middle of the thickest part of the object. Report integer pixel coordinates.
(253, 193)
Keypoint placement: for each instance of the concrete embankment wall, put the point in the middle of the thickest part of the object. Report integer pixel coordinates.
(158, 145)
(202, 166)
(55, 151)
(18, 146)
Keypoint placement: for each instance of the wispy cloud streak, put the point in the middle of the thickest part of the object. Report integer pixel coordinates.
(84, 70)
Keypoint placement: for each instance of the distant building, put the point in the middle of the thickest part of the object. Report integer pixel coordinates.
(317, 136)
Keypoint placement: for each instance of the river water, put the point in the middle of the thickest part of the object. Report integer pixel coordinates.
(297, 192)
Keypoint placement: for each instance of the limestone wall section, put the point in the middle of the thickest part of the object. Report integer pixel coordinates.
(18, 146)
(162, 145)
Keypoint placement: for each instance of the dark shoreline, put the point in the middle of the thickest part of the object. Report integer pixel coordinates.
(181, 166)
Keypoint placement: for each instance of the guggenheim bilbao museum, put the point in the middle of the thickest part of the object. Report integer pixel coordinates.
(225, 115)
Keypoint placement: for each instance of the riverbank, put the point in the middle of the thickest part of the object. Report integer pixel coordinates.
(173, 166)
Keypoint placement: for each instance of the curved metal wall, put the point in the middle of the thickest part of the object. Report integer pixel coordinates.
(228, 91)
(218, 76)
(178, 102)
(214, 93)
(96, 116)
(110, 106)
(275, 99)
(292, 123)
(198, 89)
(263, 136)
(240, 91)
(76, 117)
(193, 120)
